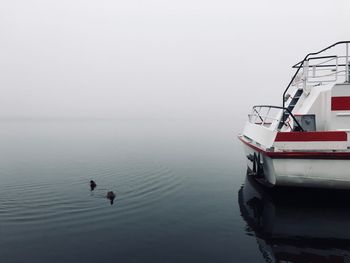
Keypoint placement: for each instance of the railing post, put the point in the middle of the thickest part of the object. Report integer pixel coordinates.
(305, 75)
(336, 68)
(305, 72)
(347, 63)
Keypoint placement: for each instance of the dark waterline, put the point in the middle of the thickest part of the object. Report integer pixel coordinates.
(181, 196)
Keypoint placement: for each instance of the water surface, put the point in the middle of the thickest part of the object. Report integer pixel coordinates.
(179, 186)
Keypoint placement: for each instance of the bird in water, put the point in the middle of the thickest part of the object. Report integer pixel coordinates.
(111, 196)
(92, 185)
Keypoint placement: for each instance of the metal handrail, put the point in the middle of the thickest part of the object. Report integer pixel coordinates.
(258, 114)
(314, 58)
(281, 108)
(306, 58)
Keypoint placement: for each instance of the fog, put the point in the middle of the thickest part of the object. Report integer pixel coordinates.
(156, 58)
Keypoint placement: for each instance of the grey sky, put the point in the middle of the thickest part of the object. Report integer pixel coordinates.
(156, 58)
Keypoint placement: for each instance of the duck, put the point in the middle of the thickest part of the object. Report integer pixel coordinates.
(92, 185)
(111, 196)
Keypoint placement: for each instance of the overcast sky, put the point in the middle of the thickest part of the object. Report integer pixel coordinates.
(156, 58)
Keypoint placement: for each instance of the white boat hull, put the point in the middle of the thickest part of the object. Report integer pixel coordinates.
(318, 173)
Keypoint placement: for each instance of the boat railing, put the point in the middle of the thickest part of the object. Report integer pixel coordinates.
(321, 70)
(315, 70)
(270, 116)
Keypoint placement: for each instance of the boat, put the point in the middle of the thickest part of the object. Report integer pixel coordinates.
(305, 140)
(295, 224)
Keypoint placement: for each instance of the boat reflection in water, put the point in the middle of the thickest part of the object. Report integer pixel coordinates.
(297, 225)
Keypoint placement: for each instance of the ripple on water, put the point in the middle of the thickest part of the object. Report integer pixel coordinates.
(44, 207)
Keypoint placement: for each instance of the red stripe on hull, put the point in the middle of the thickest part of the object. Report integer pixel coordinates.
(300, 155)
(327, 136)
(340, 103)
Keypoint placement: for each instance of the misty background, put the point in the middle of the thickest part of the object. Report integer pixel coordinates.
(156, 58)
(146, 98)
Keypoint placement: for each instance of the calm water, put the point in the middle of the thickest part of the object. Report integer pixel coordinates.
(182, 196)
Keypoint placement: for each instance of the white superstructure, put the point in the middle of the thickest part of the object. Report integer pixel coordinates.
(305, 141)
